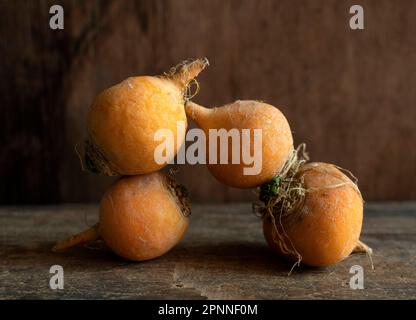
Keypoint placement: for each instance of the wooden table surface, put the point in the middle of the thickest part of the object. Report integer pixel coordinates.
(222, 256)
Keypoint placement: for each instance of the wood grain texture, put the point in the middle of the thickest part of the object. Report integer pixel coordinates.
(223, 256)
(348, 94)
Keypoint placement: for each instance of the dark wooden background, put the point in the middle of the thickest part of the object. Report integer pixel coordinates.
(350, 95)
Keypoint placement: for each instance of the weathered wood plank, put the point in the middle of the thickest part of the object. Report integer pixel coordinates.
(222, 256)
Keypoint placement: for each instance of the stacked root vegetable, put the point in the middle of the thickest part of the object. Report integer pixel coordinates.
(312, 212)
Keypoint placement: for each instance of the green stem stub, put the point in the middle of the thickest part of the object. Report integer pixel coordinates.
(270, 189)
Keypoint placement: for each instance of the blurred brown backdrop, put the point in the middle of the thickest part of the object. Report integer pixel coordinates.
(350, 95)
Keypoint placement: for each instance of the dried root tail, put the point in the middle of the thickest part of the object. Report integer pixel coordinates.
(184, 74)
(84, 237)
(361, 247)
(96, 161)
(280, 200)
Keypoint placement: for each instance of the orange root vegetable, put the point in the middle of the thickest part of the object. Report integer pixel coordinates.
(123, 119)
(313, 214)
(276, 140)
(141, 217)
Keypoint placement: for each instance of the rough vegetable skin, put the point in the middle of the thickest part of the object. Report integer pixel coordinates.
(140, 218)
(123, 120)
(331, 218)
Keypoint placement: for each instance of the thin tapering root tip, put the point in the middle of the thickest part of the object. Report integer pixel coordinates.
(86, 236)
(361, 247)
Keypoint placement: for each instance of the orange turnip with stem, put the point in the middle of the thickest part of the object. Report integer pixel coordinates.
(123, 120)
(276, 142)
(312, 213)
(141, 217)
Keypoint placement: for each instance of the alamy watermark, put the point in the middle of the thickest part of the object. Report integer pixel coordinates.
(57, 280)
(56, 21)
(246, 147)
(357, 20)
(357, 280)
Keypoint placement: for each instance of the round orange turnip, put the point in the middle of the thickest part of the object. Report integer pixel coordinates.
(276, 140)
(314, 216)
(141, 217)
(123, 120)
